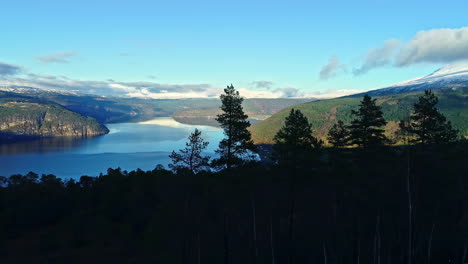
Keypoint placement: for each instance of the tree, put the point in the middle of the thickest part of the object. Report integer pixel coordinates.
(191, 156)
(366, 130)
(237, 144)
(295, 140)
(427, 123)
(338, 135)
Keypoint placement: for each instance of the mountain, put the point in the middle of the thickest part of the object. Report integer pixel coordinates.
(454, 76)
(198, 111)
(26, 118)
(450, 84)
(256, 108)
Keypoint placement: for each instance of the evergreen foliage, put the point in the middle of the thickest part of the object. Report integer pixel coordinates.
(338, 135)
(322, 114)
(297, 132)
(294, 140)
(428, 124)
(237, 146)
(351, 205)
(191, 156)
(366, 130)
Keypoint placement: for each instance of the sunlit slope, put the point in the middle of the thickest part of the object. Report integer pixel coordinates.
(323, 114)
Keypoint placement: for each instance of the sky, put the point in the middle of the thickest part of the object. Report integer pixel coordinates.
(180, 49)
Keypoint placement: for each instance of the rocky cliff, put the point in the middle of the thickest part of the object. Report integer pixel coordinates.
(28, 118)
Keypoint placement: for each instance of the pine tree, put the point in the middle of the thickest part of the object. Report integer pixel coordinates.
(237, 146)
(295, 140)
(428, 124)
(366, 130)
(338, 135)
(191, 156)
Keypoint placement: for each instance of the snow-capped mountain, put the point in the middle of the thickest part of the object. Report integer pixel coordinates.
(32, 90)
(454, 76)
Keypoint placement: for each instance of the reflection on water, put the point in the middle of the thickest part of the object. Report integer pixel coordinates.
(128, 145)
(41, 145)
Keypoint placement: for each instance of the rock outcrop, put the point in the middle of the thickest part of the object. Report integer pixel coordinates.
(25, 118)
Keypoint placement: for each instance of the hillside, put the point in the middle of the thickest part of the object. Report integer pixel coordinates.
(199, 111)
(323, 114)
(256, 109)
(454, 76)
(20, 117)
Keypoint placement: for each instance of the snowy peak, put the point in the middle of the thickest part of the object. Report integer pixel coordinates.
(452, 72)
(453, 76)
(32, 90)
(452, 69)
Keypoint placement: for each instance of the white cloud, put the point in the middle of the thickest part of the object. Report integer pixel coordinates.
(444, 45)
(378, 57)
(332, 68)
(437, 46)
(149, 90)
(121, 87)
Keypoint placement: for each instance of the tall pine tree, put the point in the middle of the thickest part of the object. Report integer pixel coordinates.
(366, 130)
(294, 141)
(428, 124)
(237, 146)
(338, 135)
(191, 156)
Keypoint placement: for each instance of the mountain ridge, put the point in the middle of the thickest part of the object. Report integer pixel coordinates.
(396, 102)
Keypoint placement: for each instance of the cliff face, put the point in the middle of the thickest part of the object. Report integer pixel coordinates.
(29, 118)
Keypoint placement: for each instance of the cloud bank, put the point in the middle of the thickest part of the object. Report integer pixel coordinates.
(437, 45)
(430, 46)
(153, 90)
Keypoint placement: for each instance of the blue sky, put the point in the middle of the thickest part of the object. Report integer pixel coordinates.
(277, 48)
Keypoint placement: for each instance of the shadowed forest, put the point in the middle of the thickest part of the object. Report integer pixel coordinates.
(360, 200)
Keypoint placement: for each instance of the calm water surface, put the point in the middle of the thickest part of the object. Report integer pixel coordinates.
(128, 146)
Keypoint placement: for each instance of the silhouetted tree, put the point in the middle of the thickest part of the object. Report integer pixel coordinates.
(338, 135)
(294, 143)
(237, 146)
(427, 123)
(295, 140)
(191, 156)
(366, 130)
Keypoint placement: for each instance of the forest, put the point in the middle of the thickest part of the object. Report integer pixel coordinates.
(360, 200)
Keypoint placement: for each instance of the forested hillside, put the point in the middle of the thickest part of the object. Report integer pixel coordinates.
(199, 111)
(256, 109)
(323, 114)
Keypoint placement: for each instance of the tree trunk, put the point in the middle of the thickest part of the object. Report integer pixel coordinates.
(291, 217)
(325, 259)
(254, 225)
(272, 243)
(410, 210)
(226, 238)
(379, 240)
(464, 254)
(184, 232)
(198, 248)
(358, 259)
(429, 246)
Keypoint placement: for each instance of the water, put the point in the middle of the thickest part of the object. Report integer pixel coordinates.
(128, 146)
